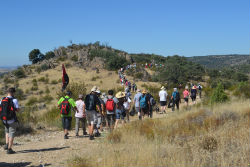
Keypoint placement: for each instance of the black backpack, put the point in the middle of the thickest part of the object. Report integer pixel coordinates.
(177, 98)
(90, 102)
(65, 106)
(7, 109)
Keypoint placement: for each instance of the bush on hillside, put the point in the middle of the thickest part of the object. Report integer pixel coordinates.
(219, 95)
(75, 88)
(19, 94)
(242, 90)
(45, 67)
(19, 73)
(54, 82)
(74, 58)
(31, 101)
(49, 55)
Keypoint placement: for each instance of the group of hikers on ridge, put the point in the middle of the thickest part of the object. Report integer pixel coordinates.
(97, 110)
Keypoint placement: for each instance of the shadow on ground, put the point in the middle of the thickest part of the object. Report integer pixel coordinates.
(18, 164)
(42, 150)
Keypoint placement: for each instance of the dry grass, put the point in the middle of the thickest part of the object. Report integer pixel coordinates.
(201, 137)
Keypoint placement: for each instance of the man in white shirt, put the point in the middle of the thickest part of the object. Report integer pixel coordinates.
(80, 115)
(9, 118)
(163, 99)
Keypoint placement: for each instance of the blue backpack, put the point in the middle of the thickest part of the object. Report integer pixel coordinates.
(143, 102)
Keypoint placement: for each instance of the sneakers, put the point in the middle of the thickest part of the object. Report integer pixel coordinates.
(10, 151)
(91, 137)
(97, 134)
(66, 137)
(5, 147)
(77, 135)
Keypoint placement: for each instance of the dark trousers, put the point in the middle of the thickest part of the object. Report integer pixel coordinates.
(175, 103)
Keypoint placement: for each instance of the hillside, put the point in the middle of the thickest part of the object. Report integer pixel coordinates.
(221, 61)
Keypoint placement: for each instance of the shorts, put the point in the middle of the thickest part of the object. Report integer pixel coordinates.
(163, 103)
(186, 99)
(99, 120)
(66, 122)
(111, 119)
(144, 111)
(120, 114)
(11, 130)
(193, 98)
(91, 116)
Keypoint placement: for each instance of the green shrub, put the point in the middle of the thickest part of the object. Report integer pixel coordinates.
(19, 73)
(52, 118)
(54, 82)
(61, 58)
(95, 78)
(38, 69)
(41, 79)
(34, 88)
(242, 90)
(45, 67)
(68, 65)
(74, 58)
(46, 99)
(32, 101)
(19, 94)
(75, 88)
(138, 75)
(47, 91)
(218, 95)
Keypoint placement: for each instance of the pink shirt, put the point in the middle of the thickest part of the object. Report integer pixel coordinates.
(185, 93)
(79, 106)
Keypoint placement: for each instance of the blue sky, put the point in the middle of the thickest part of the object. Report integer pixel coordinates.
(165, 27)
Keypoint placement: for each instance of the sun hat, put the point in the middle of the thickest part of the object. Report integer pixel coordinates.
(175, 89)
(144, 91)
(98, 91)
(138, 90)
(80, 96)
(93, 89)
(120, 95)
(186, 87)
(163, 88)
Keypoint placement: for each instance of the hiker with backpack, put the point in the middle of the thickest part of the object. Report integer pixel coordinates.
(186, 95)
(193, 94)
(120, 111)
(92, 104)
(163, 99)
(110, 103)
(8, 108)
(99, 114)
(66, 104)
(126, 104)
(144, 105)
(80, 116)
(199, 90)
(176, 99)
(152, 104)
(137, 102)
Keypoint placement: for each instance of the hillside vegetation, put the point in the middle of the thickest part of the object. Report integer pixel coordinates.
(223, 61)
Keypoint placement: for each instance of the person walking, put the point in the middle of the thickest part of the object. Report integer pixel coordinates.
(9, 106)
(92, 104)
(144, 104)
(120, 111)
(80, 116)
(137, 102)
(193, 94)
(152, 104)
(127, 105)
(110, 103)
(99, 114)
(199, 89)
(66, 104)
(176, 99)
(186, 95)
(163, 99)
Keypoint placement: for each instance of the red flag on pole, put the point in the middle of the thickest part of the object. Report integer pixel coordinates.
(65, 78)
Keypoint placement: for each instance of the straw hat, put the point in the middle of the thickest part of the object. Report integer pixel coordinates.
(120, 95)
(94, 89)
(144, 91)
(163, 88)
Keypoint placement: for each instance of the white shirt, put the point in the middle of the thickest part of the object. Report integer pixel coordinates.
(163, 95)
(16, 105)
(127, 104)
(79, 106)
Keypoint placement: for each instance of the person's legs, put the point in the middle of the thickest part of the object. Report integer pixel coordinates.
(127, 115)
(77, 126)
(173, 105)
(177, 105)
(10, 137)
(118, 116)
(84, 122)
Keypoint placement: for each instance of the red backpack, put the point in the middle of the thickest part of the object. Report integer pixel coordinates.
(110, 105)
(7, 109)
(65, 106)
